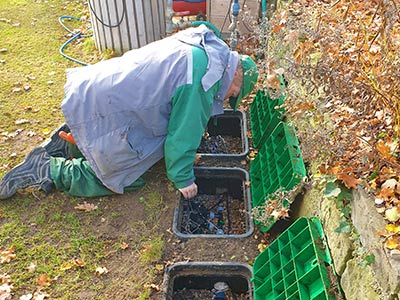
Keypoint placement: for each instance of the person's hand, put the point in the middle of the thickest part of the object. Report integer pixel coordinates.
(189, 191)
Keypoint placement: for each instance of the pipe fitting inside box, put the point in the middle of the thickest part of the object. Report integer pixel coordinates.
(221, 209)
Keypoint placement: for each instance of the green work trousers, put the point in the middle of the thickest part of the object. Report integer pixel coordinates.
(75, 177)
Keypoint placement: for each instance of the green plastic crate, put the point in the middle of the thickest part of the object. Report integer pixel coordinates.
(278, 165)
(296, 266)
(265, 115)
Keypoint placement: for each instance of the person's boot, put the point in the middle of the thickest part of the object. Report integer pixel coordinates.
(33, 171)
(57, 146)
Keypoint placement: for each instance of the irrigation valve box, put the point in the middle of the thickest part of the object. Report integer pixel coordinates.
(221, 209)
(225, 136)
(296, 266)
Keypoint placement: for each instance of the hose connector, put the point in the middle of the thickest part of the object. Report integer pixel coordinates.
(235, 8)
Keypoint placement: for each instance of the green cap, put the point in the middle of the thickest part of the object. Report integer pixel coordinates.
(250, 77)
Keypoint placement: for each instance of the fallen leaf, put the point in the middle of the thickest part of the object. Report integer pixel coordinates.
(31, 133)
(379, 202)
(46, 131)
(385, 193)
(390, 184)
(374, 49)
(7, 255)
(252, 155)
(31, 268)
(101, 271)
(392, 243)
(5, 278)
(392, 214)
(78, 262)
(40, 296)
(261, 247)
(152, 286)
(5, 291)
(26, 297)
(44, 280)
(124, 246)
(66, 266)
(349, 180)
(393, 228)
(159, 267)
(21, 121)
(383, 149)
(86, 206)
(277, 28)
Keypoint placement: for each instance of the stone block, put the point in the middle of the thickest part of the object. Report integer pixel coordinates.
(359, 283)
(368, 222)
(340, 244)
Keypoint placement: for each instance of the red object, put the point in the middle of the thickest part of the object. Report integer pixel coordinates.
(67, 136)
(187, 8)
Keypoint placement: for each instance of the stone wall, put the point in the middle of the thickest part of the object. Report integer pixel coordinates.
(359, 281)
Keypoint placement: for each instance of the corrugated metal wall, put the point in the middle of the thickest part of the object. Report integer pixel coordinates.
(121, 25)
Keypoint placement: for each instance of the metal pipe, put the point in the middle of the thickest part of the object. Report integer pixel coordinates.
(263, 8)
(233, 26)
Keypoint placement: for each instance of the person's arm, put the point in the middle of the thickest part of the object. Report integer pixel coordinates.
(191, 108)
(190, 112)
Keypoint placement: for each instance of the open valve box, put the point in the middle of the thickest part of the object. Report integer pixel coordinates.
(221, 208)
(295, 266)
(225, 136)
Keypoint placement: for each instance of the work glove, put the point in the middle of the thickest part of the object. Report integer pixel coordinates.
(189, 191)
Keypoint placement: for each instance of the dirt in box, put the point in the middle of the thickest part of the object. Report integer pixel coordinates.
(220, 144)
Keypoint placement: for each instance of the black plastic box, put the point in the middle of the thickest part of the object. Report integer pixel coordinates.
(230, 124)
(184, 277)
(231, 191)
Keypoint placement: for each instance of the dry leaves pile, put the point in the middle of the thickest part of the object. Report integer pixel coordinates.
(347, 104)
(352, 55)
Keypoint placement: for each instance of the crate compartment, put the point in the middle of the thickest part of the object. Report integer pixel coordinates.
(304, 270)
(265, 115)
(196, 280)
(222, 208)
(278, 165)
(225, 136)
